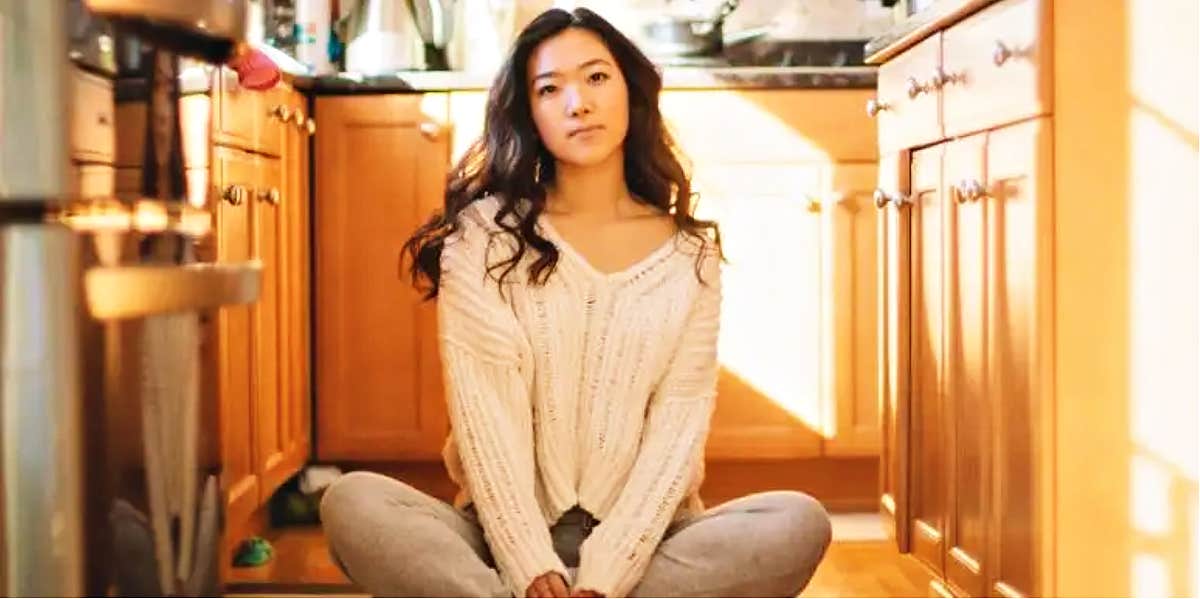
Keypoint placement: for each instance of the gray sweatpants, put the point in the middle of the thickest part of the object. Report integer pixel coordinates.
(394, 540)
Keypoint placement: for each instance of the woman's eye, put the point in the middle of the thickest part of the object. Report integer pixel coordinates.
(598, 77)
(546, 89)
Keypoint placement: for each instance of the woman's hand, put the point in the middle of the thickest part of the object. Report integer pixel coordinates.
(585, 593)
(550, 584)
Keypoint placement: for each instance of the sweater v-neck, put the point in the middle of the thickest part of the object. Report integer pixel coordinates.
(622, 274)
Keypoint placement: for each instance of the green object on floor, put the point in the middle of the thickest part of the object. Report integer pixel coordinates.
(254, 551)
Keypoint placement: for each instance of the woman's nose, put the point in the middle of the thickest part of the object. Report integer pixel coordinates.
(578, 102)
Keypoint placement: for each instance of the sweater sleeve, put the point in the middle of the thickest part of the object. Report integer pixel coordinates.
(615, 556)
(488, 380)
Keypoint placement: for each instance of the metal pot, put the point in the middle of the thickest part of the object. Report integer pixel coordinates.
(676, 36)
(381, 37)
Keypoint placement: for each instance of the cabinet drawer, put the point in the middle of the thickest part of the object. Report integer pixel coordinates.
(247, 119)
(909, 101)
(92, 118)
(723, 126)
(997, 67)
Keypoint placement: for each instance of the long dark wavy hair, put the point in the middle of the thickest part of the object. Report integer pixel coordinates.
(511, 163)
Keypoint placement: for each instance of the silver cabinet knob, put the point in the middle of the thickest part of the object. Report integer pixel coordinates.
(874, 107)
(970, 190)
(914, 87)
(270, 196)
(234, 194)
(1001, 53)
(883, 198)
(430, 130)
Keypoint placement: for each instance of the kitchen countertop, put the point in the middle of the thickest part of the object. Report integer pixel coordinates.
(722, 77)
(917, 27)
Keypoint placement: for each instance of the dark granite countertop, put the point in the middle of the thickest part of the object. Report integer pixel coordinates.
(762, 64)
(723, 77)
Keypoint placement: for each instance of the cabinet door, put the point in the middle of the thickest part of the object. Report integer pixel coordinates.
(1018, 284)
(892, 234)
(966, 370)
(234, 177)
(296, 402)
(929, 451)
(270, 412)
(768, 392)
(848, 353)
(379, 384)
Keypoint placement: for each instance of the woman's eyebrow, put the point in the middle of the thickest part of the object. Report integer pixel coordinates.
(583, 65)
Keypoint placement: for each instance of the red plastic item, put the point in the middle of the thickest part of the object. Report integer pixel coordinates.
(255, 69)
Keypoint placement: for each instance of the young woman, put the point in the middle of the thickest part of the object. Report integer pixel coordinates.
(578, 310)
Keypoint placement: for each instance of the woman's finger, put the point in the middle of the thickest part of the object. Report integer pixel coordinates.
(537, 588)
(558, 586)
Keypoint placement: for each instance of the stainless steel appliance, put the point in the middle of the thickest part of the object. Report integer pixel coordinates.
(70, 278)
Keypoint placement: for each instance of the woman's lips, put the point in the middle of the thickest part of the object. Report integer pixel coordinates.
(585, 131)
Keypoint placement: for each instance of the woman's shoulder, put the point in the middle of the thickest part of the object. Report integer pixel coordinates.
(481, 214)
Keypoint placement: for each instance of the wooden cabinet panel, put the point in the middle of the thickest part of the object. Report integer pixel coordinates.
(966, 375)
(849, 294)
(294, 336)
(236, 113)
(892, 340)
(1018, 226)
(720, 126)
(93, 122)
(909, 99)
(928, 441)
(235, 326)
(268, 408)
(769, 401)
(379, 386)
(248, 119)
(997, 64)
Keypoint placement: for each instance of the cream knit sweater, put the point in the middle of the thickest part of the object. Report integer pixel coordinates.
(594, 390)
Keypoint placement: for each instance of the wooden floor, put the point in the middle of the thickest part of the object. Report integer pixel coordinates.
(301, 566)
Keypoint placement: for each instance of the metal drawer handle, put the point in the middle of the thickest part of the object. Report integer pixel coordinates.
(282, 113)
(969, 190)
(310, 126)
(1001, 53)
(874, 107)
(234, 194)
(882, 198)
(430, 130)
(915, 88)
(270, 196)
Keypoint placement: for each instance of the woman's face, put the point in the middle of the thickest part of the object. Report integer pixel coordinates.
(578, 97)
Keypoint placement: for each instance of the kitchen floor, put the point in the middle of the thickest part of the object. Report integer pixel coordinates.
(859, 564)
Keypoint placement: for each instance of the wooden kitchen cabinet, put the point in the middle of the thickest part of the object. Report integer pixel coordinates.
(295, 330)
(965, 376)
(260, 207)
(769, 402)
(975, 313)
(929, 447)
(379, 387)
(892, 339)
(798, 321)
(848, 316)
(269, 401)
(1018, 228)
(235, 176)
